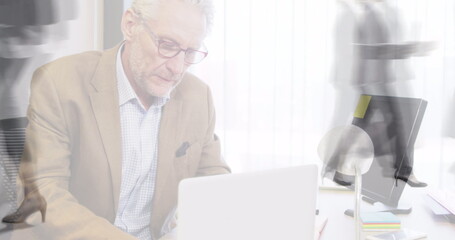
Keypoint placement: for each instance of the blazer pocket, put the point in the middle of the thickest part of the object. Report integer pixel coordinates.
(186, 161)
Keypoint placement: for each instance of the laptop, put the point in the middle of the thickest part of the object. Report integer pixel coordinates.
(272, 204)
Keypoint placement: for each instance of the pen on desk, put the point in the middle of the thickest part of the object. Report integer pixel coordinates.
(321, 222)
(324, 223)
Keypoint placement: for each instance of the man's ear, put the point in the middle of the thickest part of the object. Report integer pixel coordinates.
(129, 23)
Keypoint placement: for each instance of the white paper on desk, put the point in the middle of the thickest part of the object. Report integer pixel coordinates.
(444, 198)
(435, 207)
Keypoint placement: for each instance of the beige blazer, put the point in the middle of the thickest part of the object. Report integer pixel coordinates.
(74, 146)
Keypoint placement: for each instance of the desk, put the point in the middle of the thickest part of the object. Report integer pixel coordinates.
(333, 203)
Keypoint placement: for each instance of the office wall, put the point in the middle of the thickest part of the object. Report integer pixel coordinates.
(113, 10)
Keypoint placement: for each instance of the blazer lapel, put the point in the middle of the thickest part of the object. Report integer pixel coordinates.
(167, 142)
(105, 105)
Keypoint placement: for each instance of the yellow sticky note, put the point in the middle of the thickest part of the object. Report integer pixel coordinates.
(362, 106)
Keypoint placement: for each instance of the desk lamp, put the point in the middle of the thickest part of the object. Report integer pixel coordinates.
(350, 151)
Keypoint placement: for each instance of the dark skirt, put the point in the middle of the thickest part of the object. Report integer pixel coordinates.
(36, 12)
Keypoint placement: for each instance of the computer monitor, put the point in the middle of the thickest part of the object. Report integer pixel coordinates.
(392, 124)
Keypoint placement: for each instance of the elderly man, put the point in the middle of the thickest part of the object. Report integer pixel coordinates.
(112, 133)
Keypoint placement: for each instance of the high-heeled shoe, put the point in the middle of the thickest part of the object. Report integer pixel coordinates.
(32, 203)
(412, 180)
(343, 180)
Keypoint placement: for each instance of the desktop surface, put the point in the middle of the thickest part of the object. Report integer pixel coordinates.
(333, 203)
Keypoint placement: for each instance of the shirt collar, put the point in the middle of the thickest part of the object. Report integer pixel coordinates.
(126, 92)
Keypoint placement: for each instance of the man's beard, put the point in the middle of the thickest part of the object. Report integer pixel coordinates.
(138, 69)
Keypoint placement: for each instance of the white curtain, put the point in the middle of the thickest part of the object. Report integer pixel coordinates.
(270, 64)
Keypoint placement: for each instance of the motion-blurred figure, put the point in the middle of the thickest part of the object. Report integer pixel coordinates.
(30, 31)
(370, 58)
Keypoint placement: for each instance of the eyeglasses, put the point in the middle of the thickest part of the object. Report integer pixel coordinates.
(170, 49)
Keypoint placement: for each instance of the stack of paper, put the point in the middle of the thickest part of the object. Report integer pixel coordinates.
(445, 198)
(442, 203)
(379, 221)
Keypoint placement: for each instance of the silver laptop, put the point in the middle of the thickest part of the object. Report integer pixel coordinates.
(273, 204)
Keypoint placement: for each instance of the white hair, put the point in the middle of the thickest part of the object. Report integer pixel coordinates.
(147, 8)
